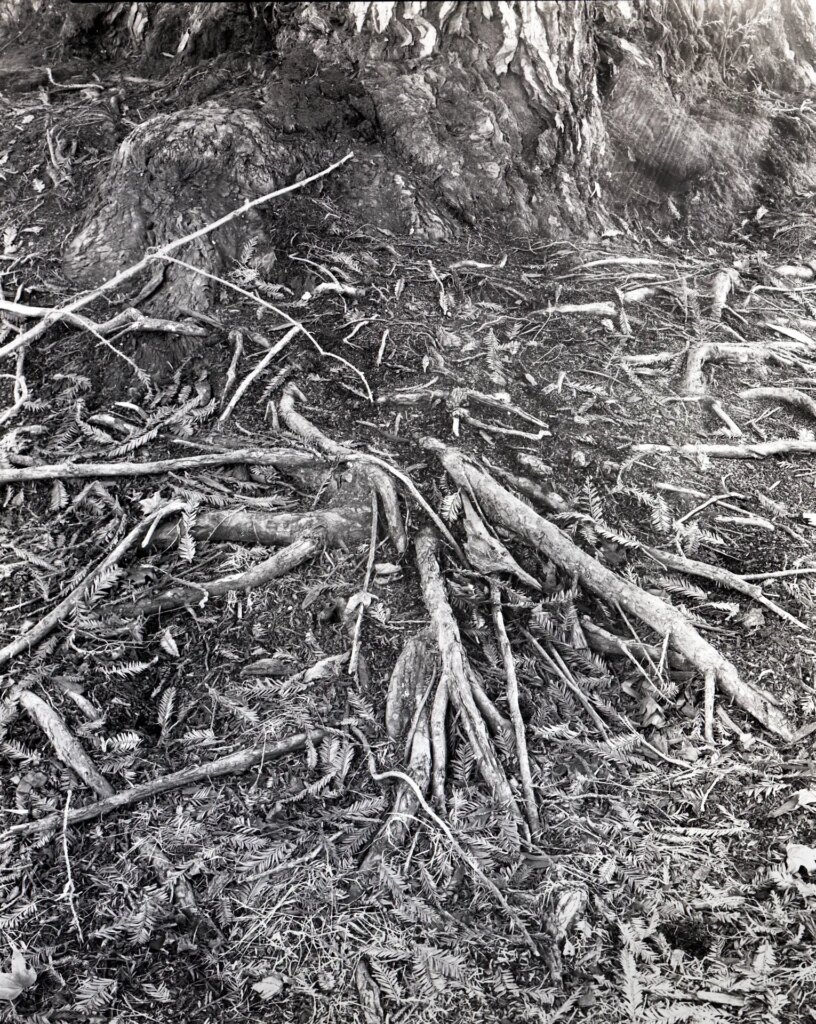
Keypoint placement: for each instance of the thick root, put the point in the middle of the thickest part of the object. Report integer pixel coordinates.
(512, 514)
(344, 526)
(407, 721)
(456, 671)
(376, 477)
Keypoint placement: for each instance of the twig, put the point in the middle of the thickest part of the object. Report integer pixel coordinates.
(372, 552)
(25, 339)
(69, 888)
(515, 711)
(232, 764)
(259, 369)
(275, 309)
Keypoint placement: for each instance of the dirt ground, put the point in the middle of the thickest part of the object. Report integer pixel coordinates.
(666, 885)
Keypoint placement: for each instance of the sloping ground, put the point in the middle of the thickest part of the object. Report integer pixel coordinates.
(667, 877)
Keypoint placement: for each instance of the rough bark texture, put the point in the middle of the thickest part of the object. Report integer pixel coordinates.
(527, 117)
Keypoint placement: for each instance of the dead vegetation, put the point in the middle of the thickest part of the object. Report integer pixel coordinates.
(509, 736)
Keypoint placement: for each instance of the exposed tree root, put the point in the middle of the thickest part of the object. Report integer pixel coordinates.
(512, 514)
(780, 353)
(380, 481)
(408, 724)
(604, 642)
(196, 594)
(465, 854)
(232, 764)
(345, 525)
(457, 673)
(790, 396)
(525, 773)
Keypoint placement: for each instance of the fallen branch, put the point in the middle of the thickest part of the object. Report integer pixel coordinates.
(25, 339)
(66, 746)
(761, 450)
(280, 458)
(512, 514)
(196, 594)
(232, 764)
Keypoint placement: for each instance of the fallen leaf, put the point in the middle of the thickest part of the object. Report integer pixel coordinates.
(799, 857)
(269, 987)
(168, 644)
(21, 977)
(803, 798)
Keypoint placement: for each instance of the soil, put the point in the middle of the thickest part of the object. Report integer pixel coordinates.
(662, 888)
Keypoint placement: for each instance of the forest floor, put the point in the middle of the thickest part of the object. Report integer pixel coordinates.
(669, 879)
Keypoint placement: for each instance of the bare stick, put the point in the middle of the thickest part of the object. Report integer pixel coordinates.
(196, 594)
(232, 764)
(259, 369)
(761, 450)
(41, 630)
(25, 339)
(66, 746)
(725, 578)
(358, 625)
(511, 513)
(284, 458)
(515, 711)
